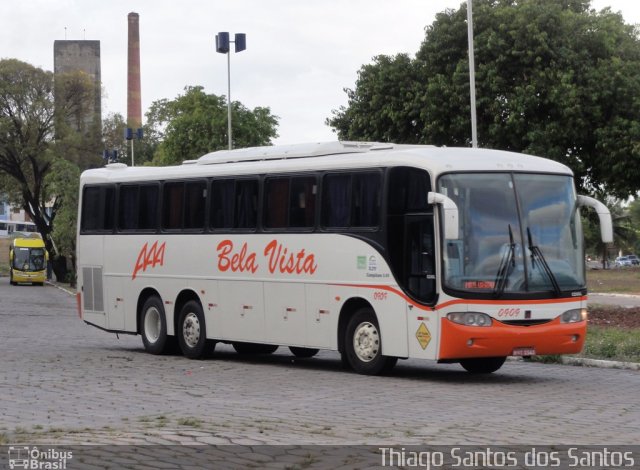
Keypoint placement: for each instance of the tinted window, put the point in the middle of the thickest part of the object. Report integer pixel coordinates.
(351, 200)
(290, 202)
(222, 206)
(408, 188)
(195, 198)
(138, 207)
(302, 202)
(276, 202)
(97, 209)
(336, 201)
(91, 209)
(172, 204)
(234, 204)
(366, 199)
(246, 204)
(148, 207)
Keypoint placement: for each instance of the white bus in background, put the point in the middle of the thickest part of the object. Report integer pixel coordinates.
(378, 251)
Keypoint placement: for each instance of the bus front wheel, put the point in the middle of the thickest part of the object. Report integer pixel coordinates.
(192, 332)
(362, 349)
(153, 326)
(482, 365)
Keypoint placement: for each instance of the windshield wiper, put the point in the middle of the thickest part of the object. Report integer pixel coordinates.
(537, 253)
(504, 269)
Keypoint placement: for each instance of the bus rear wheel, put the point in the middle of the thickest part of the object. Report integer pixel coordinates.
(303, 352)
(362, 349)
(192, 332)
(482, 365)
(153, 326)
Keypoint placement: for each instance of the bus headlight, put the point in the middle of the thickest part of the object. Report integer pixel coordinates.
(470, 318)
(573, 316)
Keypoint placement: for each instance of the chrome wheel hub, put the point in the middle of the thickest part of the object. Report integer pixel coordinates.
(191, 330)
(366, 341)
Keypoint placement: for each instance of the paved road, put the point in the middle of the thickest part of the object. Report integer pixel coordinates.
(63, 381)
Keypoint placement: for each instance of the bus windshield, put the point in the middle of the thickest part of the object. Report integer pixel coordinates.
(29, 259)
(519, 234)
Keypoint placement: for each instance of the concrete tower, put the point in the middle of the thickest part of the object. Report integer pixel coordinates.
(134, 101)
(82, 56)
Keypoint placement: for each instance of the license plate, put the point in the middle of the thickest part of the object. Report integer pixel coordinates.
(524, 352)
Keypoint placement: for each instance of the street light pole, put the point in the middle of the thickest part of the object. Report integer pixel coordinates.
(472, 76)
(223, 47)
(229, 99)
(132, 134)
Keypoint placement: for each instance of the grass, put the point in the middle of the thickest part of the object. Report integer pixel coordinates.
(612, 343)
(614, 281)
(609, 343)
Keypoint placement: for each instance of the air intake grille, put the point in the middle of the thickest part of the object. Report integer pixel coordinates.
(92, 289)
(525, 322)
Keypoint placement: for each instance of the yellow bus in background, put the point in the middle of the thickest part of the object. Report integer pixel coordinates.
(28, 260)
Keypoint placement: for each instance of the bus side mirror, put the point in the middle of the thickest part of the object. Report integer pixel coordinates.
(450, 214)
(606, 225)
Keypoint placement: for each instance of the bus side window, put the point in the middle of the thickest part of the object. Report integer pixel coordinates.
(97, 209)
(336, 200)
(91, 209)
(148, 207)
(128, 205)
(246, 216)
(302, 202)
(195, 198)
(276, 206)
(222, 204)
(138, 207)
(172, 203)
(366, 199)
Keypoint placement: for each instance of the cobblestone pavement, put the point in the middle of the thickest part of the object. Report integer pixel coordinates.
(62, 381)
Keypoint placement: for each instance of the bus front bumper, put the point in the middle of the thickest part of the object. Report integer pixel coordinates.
(23, 276)
(498, 340)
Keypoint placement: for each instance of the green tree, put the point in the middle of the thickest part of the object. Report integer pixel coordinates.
(195, 123)
(34, 131)
(553, 78)
(623, 232)
(113, 127)
(64, 180)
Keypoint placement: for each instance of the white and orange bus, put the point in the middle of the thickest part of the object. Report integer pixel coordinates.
(378, 251)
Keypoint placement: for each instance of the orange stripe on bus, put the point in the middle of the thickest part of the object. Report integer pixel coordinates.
(465, 301)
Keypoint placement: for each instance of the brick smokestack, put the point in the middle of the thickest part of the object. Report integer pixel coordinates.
(134, 102)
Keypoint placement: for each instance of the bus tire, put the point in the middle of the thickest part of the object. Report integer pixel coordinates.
(153, 326)
(254, 348)
(363, 345)
(303, 352)
(482, 365)
(192, 332)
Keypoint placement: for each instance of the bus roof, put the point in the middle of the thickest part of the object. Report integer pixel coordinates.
(28, 242)
(332, 155)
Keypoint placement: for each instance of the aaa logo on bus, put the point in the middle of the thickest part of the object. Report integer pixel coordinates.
(149, 258)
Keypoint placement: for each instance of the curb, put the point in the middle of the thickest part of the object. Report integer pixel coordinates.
(628, 296)
(57, 286)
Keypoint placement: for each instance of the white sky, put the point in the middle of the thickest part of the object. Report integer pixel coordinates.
(300, 53)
